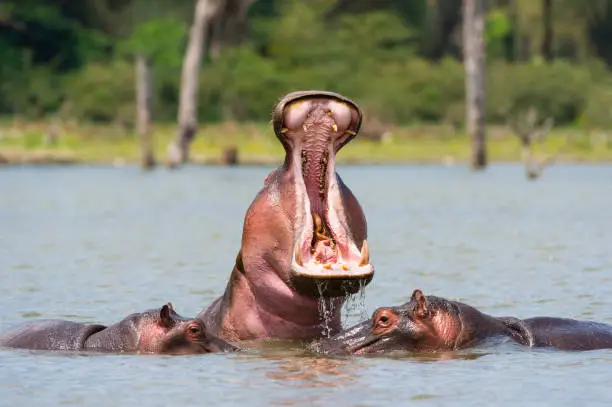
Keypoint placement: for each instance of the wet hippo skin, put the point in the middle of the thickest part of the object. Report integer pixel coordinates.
(304, 234)
(159, 330)
(432, 324)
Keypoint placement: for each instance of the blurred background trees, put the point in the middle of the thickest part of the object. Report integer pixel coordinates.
(401, 60)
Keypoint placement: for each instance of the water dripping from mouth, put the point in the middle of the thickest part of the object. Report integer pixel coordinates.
(354, 306)
(325, 312)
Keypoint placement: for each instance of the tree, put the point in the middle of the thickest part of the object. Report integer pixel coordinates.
(152, 42)
(444, 17)
(178, 150)
(474, 61)
(144, 100)
(547, 23)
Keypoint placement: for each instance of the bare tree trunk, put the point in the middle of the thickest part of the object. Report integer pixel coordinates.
(474, 61)
(547, 42)
(144, 100)
(178, 150)
(229, 25)
(444, 17)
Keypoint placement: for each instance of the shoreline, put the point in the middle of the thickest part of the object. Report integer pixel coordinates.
(30, 143)
(46, 158)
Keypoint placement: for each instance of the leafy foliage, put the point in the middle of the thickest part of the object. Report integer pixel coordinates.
(376, 52)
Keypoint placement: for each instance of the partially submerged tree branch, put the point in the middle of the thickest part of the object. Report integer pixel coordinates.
(178, 150)
(530, 132)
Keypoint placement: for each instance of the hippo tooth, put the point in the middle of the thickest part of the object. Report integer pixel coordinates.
(284, 130)
(351, 132)
(335, 127)
(298, 256)
(327, 266)
(305, 128)
(344, 267)
(365, 254)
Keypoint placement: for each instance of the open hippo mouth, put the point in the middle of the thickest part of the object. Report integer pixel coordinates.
(313, 126)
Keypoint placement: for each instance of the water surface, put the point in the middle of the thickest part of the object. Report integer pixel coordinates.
(96, 244)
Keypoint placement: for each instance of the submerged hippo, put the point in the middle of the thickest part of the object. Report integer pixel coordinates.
(431, 324)
(304, 235)
(160, 330)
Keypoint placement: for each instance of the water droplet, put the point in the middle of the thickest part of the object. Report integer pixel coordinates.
(325, 309)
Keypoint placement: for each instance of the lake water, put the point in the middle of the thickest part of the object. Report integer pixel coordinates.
(96, 244)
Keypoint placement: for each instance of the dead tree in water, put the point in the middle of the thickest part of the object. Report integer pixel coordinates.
(529, 132)
(229, 156)
(474, 61)
(178, 150)
(144, 101)
(215, 24)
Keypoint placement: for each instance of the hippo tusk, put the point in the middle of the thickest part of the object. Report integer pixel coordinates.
(365, 254)
(298, 256)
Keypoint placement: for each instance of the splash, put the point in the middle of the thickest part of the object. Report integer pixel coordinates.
(325, 309)
(353, 310)
(354, 307)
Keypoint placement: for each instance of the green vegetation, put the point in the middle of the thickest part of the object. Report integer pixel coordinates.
(257, 145)
(70, 63)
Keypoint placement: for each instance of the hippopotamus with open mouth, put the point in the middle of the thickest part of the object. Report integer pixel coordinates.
(434, 324)
(160, 330)
(304, 235)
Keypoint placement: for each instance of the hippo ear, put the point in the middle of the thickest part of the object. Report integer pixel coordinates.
(170, 306)
(420, 309)
(164, 316)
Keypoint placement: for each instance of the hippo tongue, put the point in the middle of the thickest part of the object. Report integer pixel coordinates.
(324, 249)
(324, 252)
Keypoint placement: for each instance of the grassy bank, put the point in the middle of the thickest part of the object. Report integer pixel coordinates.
(25, 142)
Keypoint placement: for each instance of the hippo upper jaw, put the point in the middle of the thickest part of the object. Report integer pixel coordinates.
(326, 256)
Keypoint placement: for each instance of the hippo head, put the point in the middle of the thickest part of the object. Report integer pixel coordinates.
(305, 229)
(423, 324)
(165, 331)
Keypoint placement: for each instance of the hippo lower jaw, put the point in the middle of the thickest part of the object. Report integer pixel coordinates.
(325, 256)
(329, 259)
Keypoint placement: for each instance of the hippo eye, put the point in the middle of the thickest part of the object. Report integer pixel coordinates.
(384, 320)
(194, 329)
